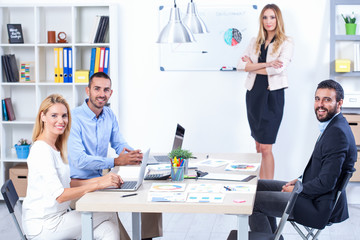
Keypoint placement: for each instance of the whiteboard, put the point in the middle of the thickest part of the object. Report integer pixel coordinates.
(230, 31)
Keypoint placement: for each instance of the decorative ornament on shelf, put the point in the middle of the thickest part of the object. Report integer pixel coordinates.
(350, 24)
(62, 37)
(23, 148)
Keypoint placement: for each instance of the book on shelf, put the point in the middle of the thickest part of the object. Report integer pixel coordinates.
(5, 116)
(101, 24)
(5, 66)
(9, 109)
(10, 67)
(104, 30)
(94, 29)
(15, 33)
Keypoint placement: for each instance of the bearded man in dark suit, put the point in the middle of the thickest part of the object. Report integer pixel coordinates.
(334, 153)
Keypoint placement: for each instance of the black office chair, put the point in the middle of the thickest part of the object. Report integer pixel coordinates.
(277, 234)
(13, 204)
(313, 233)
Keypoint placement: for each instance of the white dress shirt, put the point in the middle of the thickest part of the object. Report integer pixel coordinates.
(48, 176)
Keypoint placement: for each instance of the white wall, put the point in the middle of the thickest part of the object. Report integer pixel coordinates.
(211, 104)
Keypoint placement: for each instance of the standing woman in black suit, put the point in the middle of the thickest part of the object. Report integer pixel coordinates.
(266, 60)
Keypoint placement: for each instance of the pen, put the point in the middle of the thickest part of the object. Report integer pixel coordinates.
(129, 195)
(227, 188)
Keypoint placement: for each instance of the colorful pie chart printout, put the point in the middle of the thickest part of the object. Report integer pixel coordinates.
(251, 167)
(168, 187)
(232, 37)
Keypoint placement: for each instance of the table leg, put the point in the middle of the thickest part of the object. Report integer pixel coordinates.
(87, 225)
(243, 229)
(136, 225)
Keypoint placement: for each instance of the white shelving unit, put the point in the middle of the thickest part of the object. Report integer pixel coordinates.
(341, 46)
(77, 22)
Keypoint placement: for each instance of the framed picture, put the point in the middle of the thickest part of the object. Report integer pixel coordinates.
(15, 33)
(27, 72)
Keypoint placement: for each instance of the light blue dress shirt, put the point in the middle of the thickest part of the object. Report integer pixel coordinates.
(323, 125)
(89, 141)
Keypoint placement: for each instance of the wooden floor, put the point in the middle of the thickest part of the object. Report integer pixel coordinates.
(208, 226)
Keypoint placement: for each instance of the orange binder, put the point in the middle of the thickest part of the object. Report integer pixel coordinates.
(97, 60)
(56, 65)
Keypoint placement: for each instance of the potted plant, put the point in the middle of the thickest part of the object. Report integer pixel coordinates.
(181, 155)
(22, 148)
(350, 24)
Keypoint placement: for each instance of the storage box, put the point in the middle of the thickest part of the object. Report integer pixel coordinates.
(356, 176)
(18, 175)
(82, 76)
(342, 65)
(354, 122)
(352, 100)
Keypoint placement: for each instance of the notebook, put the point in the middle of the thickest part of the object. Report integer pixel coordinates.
(131, 186)
(178, 141)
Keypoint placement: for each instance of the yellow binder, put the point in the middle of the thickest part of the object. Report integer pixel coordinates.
(56, 65)
(97, 60)
(61, 65)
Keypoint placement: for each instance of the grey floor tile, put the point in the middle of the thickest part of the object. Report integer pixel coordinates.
(208, 226)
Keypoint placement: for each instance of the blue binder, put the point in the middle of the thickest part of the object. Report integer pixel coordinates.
(66, 64)
(106, 60)
(92, 61)
(70, 65)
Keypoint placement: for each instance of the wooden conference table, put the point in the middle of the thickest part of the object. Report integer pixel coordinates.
(103, 201)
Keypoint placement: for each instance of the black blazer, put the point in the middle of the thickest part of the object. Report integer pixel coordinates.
(334, 153)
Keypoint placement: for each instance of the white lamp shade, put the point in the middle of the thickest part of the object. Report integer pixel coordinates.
(175, 31)
(193, 21)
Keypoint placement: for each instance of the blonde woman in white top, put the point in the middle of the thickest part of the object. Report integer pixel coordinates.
(266, 60)
(46, 212)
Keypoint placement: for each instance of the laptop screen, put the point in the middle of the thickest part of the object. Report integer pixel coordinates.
(179, 137)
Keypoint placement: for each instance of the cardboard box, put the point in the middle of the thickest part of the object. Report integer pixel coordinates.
(342, 65)
(354, 122)
(356, 175)
(18, 174)
(82, 76)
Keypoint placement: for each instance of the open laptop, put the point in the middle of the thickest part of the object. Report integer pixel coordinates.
(131, 186)
(178, 141)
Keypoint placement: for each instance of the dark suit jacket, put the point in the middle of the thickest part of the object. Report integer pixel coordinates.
(334, 153)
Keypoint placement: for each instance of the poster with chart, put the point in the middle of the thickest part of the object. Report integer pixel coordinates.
(230, 31)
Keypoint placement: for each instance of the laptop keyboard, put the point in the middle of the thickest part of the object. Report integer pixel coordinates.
(162, 158)
(128, 185)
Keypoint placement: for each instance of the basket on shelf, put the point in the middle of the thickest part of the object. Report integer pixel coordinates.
(22, 151)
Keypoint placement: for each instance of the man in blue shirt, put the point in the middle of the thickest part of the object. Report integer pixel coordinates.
(93, 127)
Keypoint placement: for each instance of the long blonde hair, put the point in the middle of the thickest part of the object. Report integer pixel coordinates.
(61, 141)
(279, 37)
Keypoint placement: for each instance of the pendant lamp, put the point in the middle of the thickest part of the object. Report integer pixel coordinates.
(193, 21)
(175, 31)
